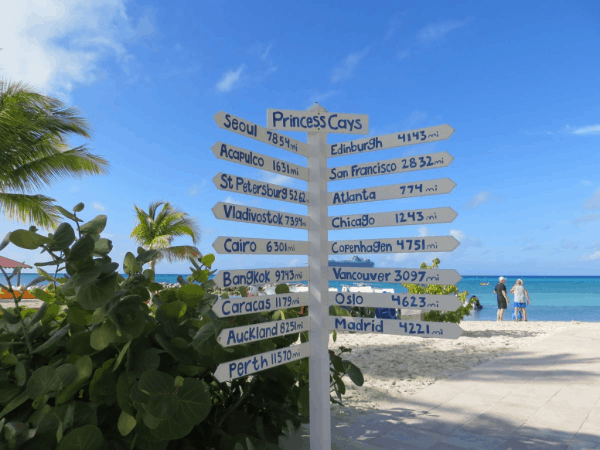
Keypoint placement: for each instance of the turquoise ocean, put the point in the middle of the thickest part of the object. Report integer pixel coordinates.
(553, 298)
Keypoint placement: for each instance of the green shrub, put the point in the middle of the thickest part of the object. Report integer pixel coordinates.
(100, 367)
(439, 316)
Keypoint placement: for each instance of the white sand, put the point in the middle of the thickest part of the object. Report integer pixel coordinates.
(397, 366)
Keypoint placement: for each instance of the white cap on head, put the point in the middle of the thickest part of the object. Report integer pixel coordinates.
(501, 279)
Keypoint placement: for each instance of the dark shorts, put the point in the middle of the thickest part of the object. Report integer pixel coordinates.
(501, 304)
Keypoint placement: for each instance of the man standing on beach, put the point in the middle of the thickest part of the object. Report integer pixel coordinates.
(503, 302)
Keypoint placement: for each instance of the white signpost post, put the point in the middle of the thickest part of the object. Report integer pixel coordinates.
(317, 123)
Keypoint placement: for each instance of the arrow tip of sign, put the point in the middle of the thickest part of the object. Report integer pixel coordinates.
(215, 147)
(216, 208)
(216, 116)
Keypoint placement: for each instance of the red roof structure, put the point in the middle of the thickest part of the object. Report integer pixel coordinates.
(11, 263)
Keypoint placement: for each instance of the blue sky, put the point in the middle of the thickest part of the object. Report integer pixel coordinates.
(518, 81)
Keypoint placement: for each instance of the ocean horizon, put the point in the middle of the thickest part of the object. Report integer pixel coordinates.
(553, 297)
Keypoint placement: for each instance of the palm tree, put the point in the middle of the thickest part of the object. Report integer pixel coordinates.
(155, 230)
(34, 152)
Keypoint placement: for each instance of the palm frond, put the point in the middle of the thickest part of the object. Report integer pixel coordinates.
(180, 253)
(37, 209)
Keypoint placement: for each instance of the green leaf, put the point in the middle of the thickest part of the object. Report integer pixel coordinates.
(20, 374)
(84, 371)
(5, 241)
(79, 316)
(130, 265)
(173, 311)
(97, 294)
(103, 246)
(78, 207)
(53, 339)
(81, 249)
(43, 273)
(42, 381)
(335, 310)
(14, 403)
(354, 373)
(161, 388)
(67, 374)
(28, 239)
(208, 260)
(39, 315)
(126, 423)
(94, 226)
(68, 214)
(42, 295)
(141, 362)
(190, 294)
(103, 336)
(303, 401)
(10, 315)
(35, 281)
(123, 395)
(193, 407)
(63, 237)
(88, 437)
(121, 355)
(103, 387)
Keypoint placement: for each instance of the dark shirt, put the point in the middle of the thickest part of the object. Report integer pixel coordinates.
(500, 287)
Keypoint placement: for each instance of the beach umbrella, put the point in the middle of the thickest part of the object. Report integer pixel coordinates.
(11, 264)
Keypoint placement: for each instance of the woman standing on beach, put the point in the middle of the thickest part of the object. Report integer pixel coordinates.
(520, 295)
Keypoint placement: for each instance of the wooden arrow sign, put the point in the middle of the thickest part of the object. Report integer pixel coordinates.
(261, 331)
(242, 185)
(395, 245)
(239, 213)
(402, 327)
(312, 121)
(424, 302)
(419, 136)
(228, 307)
(391, 166)
(246, 128)
(260, 277)
(263, 361)
(403, 276)
(393, 218)
(252, 246)
(250, 158)
(392, 192)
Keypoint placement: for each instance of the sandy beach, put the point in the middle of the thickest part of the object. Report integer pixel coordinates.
(395, 367)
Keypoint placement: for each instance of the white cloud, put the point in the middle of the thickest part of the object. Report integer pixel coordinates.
(57, 45)
(403, 54)
(98, 206)
(586, 219)
(435, 31)
(586, 183)
(282, 180)
(591, 129)
(233, 200)
(592, 257)
(230, 79)
(195, 189)
(593, 202)
(346, 68)
(319, 97)
(480, 199)
(423, 231)
(459, 235)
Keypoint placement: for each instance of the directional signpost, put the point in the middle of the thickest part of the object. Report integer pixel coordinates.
(252, 246)
(395, 245)
(242, 185)
(425, 302)
(229, 307)
(252, 159)
(391, 166)
(420, 136)
(246, 128)
(318, 123)
(405, 327)
(392, 192)
(260, 277)
(239, 213)
(394, 218)
(412, 276)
